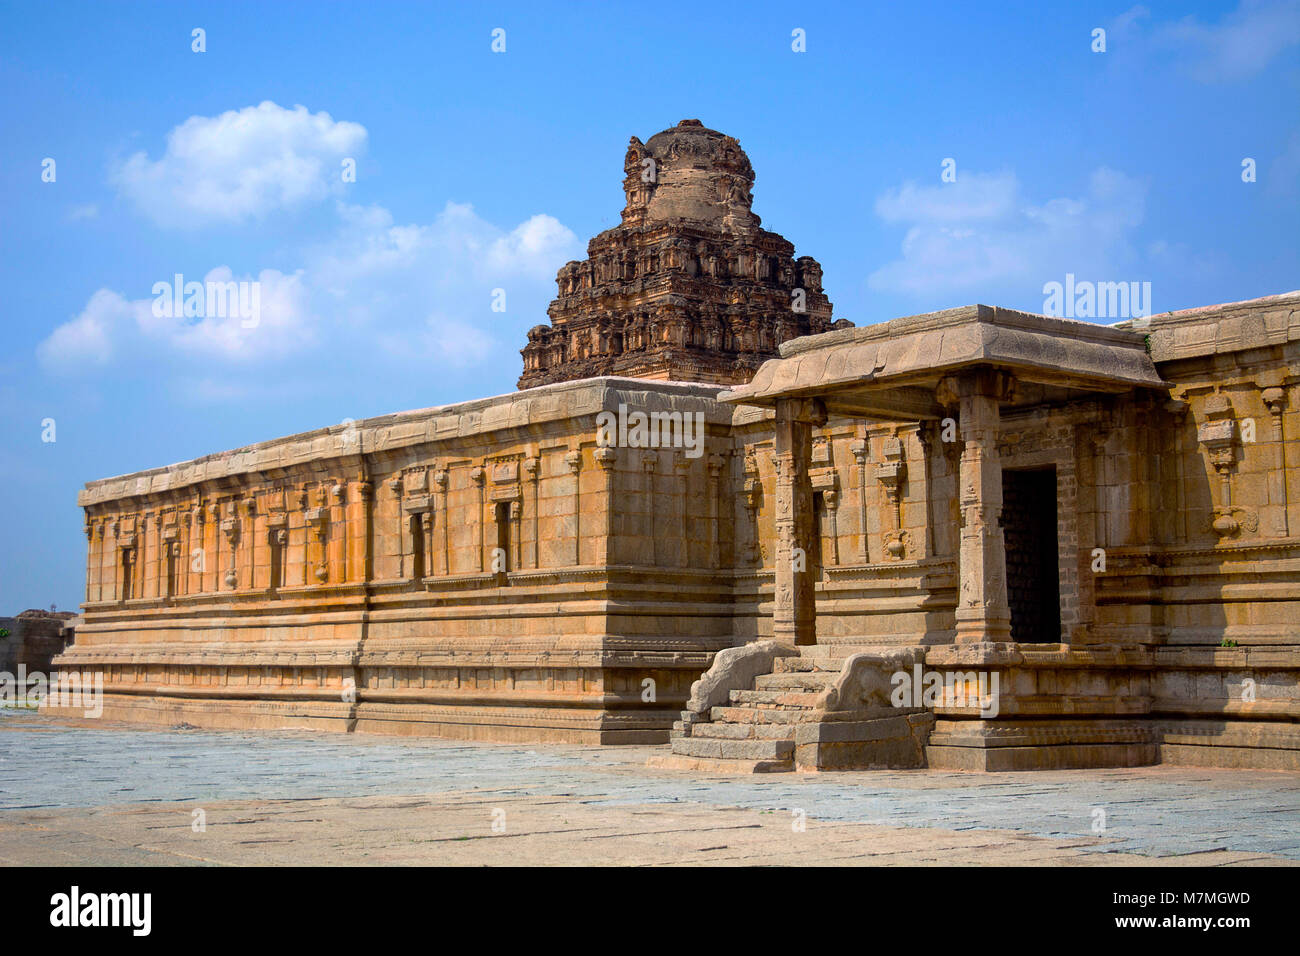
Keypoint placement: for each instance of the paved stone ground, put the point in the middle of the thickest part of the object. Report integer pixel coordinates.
(98, 794)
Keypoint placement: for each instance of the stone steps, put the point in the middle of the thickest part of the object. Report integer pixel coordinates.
(805, 681)
(723, 749)
(805, 665)
(774, 699)
(755, 732)
(743, 731)
(759, 715)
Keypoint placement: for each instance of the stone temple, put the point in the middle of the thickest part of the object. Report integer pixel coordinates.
(714, 518)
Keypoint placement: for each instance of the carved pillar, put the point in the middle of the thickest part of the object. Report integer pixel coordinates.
(90, 558)
(338, 541)
(171, 549)
(1218, 434)
(831, 498)
(1179, 528)
(983, 614)
(715, 526)
(424, 562)
(230, 528)
(106, 577)
(649, 462)
(859, 448)
(1274, 397)
(198, 563)
(533, 471)
(478, 476)
(395, 487)
(317, 557)
(251, 543)
(926, 436)
(440, 482)
(682, 465)
(794, 611)
(360, 519)
(151, 553)
(574, 462)
(185, 530)
(516, 514)
(606, 457)
(890, 472)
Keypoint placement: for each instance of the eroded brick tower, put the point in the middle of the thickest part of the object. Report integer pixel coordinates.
(688, 287)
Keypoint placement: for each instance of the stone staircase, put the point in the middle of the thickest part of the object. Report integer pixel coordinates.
(765, 708)
(755, 730)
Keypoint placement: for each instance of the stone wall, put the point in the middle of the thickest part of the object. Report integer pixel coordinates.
(35, 638)
(479, 570)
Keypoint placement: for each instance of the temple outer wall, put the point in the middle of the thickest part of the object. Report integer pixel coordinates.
(483, 571)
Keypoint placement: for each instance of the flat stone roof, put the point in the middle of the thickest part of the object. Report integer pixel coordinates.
(464, 420)
(915, 351)
(1227, 327)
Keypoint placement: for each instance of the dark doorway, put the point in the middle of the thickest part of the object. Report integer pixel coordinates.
(1029, 529)
(501, 556)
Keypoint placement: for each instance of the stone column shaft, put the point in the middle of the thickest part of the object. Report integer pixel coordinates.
(983, 614)
(794, 610)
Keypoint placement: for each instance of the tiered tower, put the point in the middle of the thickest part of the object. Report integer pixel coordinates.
(688, 287)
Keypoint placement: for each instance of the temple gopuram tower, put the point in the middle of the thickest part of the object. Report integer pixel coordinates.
(688, 287)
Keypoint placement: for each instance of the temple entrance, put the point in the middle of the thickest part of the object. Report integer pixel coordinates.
(1033, 580)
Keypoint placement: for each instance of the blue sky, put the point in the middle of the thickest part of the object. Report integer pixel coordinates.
(478, 170)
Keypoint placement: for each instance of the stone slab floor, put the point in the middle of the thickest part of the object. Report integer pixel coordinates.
(90, 793)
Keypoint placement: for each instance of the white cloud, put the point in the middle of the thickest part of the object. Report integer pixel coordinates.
(981, 235)
(89, 338)
(1241, 45)
(974, 196)
(113, 329)
(241, 165)
(376, 294)
(88, 210)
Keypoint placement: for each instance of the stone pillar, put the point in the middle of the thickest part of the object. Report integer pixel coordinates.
(150, 552)
(440, 482)
(682, 464)
(338, 540)
(983, 615)
(395, 486)
(359, 520)
(649, 462)
(533, 470)
(479, 477)
(574, 460)
(426, 561)
(1274, 397)
(859, 449)
(606, 457)
(832, 499)
(516, 524)
(794, 610)
(90, 558)
(715, 528)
